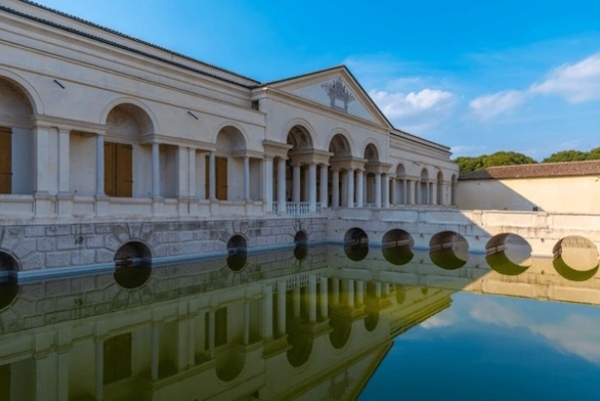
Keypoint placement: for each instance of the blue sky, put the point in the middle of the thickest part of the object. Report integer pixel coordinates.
(476, 76)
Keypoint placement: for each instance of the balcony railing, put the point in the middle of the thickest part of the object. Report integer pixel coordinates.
(296, 208)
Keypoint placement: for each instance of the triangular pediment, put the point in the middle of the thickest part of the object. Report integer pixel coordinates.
(335, 88)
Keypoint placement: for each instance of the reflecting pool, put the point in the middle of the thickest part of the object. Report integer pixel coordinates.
(312, 323)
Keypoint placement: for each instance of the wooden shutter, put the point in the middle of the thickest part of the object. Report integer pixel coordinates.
(5, 382)
(124, 173)
(5, 161)
(109, 168)
(117, 358)
(221, 168)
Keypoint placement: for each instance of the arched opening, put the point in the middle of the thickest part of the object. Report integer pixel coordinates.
(8, 262)
(449, 250)
(301, 245)
(400, 294)
(132, 269)
(576, 258)
(508, 254)
(453, 190)
(342, 328)
(356, 244)
(424, 188)
(301, 347)
(397, 247)
(127, 162)
(230, 167)
(8, 293)
(132, 253)
(340, 147)
(297, 171)
(229, 363)
(371, 320)
(373, 184)
(439, 189)
(401, 188)
(237, 252)
(16, 140)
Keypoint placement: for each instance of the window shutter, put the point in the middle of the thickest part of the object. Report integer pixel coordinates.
(5, 161)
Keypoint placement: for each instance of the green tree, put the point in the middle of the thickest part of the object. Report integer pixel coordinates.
(567, 156)
(502, 158)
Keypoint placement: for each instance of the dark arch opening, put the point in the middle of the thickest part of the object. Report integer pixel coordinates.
(576, 258)
(301, 242)
(341, 332)
(371, 321)
(397, 247)
(8, 293)
(132, 270)
(400, 294)
(229, 364)
(356, 244)
(449, 250)
(302, 346)
(237, 253)
(508, 254)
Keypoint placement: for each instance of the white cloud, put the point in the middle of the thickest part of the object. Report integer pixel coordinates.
(400, 105)
(489, 106)
(577, 83)
(445, 319)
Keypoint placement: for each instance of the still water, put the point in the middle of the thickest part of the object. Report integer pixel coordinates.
(319, 323)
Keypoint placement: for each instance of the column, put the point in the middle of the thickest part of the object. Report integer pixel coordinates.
(296, 183)
(323, 187)
(335, 188)
(360, 292)
(428, 194)
(359, 188)
(211, 333)
(312, 188)
(350, 292)
(385, 191)
(268, 179)
(395, 191)
(192, 172)
(335, 291)
(246, 322)
(296, 301)
(99, 374)
(41, 146)
(413, 191)
(434, 193)
(155, 170)
(365, 188)
(63, 162)
(312, 298)
(191, 340)
(405, 191)
(324, 304)
(377, 190)
(378, 289)
(212, 179)
(305, 185)
(154, 339)
(281, 294)
(344, 194)
(268, 312)
(246, 178)
(99, 165)
(350, 188)
(281, 199)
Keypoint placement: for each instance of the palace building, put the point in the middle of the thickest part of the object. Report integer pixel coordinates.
(99, 126)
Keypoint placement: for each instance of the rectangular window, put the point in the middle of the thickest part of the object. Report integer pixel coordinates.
(117, 358)
(5, 160)
(118, 169)
(220, 178)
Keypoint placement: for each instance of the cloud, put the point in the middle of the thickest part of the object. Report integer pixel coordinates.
(489, 106)
(577, 83)
(399, 105)
(444, 319)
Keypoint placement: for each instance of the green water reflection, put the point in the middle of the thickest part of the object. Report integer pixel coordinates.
(314, 323)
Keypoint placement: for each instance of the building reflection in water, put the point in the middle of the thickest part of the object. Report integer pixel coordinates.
(310, 322)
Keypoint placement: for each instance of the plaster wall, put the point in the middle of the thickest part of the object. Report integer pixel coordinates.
(580, 195)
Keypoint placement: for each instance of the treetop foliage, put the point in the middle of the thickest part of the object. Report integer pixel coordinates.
(468, 164)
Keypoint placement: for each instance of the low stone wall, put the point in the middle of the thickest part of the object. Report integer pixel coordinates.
(58, 250)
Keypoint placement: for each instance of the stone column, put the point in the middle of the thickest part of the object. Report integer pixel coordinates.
(344, 192)
(99, 373)
(377, 190)
(212, 179)
(268, 312)
(312, 188)
(192, 172)
(246, 322)
(191, 341)
(155, 170)
(350, 189)
(324, 303)
(428, 192)
(155, 352)
(63, 162)
(359, 188)
(385, 191)
(335, 188)
(296, 183)
(305, 185)
(41, 174)
(281, 294)
(312, 298)
(434, 193)
(378, 289)
(323, 187)
(296, 302)
(211, 333)
(360, 292)
(268, 185)
(99, 165)
(281, 200)
(365, 188)
(335, 291)
(413, 191)
(405, 191)
(246, 178)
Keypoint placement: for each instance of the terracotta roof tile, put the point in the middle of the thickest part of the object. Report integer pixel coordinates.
(540, 170)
